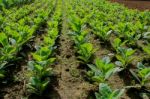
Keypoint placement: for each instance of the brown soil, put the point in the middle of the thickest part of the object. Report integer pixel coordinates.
(135, 4)
(16, 88)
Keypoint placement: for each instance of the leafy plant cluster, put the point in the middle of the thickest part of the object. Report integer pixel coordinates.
(16, 14)
(107, 19)
(124, 55)
(112, 21)
(105, 92)
(80, 35)
(102, 70)
(16, 34)
(39, 67)
(143, 73)
(100, 73)
(10, 3)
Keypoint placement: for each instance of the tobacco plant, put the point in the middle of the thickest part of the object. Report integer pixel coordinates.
(146, 49)
(105, 92)
(79, 40)
(9, 47)
(124, 57)
(102, 70)
(77, 24)
(143, 73)
(40, 76)
(85, 52)
(40, 71)
(118, 43)
(42, 54)
(104, 33)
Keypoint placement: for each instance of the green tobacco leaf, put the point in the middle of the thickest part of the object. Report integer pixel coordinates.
(140, 65)
(38, 68)
(143, 73)
(88, 46)
(49, 41)
(85, 51)
(50, 61)
(117, 94)
(37, 57)
(130, 59)
(146, 49)
(44, 85)
(99, 63)
(109, 73)
(130, 52)
(94, 69)
(4, 39)
(106, 60)
(116, 43)
(118, 63)
(42, 54)
(120, 58)
(105, 92)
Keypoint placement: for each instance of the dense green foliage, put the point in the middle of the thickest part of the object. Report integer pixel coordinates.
(10, 3)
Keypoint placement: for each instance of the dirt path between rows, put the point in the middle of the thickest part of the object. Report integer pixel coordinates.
(71, 84)
(135, 4)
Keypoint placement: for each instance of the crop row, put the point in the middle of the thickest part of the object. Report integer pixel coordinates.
(40, 66)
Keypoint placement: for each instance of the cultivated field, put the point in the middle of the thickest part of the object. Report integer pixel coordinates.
(74, 49)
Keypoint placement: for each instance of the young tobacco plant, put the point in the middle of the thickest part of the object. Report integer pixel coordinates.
(118, 43)
(48, 41)
(143, 73)
(76, 24)
(85, 52)
(101, 30)
(79, 40)
(146, 49)
(40, 71)
(124, 57)
(4, 39)
(102, 70)
(42, 54)
(9, 47)
(105, 92)
(40, 76)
